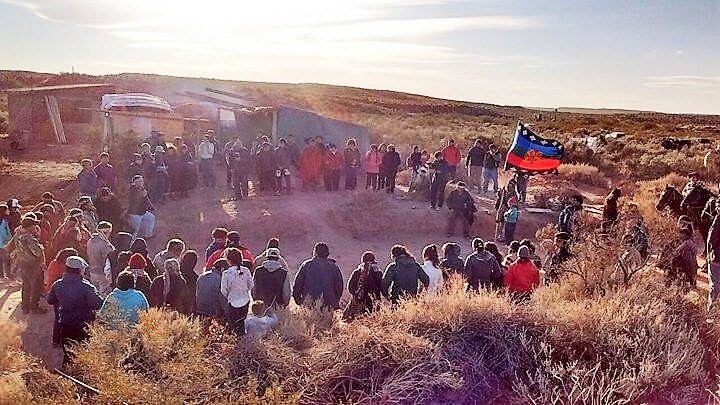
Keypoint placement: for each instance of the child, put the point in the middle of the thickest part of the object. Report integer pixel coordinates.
(511, 217)
(258, 323)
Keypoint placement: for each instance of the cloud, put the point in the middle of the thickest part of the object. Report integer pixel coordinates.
(688, 82)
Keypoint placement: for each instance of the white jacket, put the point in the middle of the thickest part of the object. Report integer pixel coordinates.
(435, 276)
(236, 284)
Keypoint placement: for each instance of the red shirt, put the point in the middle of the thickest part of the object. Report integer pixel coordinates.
(451, 154)
(54, 272)
(246, 254)
(522, 277)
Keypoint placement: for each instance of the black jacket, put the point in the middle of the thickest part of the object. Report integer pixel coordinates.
(319, 279)
(401, 278)
(482, 270)
(461, 200)
(391, 161)
(475, 156)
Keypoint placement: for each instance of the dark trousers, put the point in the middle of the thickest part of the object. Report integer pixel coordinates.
(332, 180)
(455, 216)
(390, 181)
(236, 319)
(56, 338)
(267, 180)
(382, 180)
(351, 178)
(240, 185)
(437, 193)
(69, 336)
(228, 175)
(371, 181)
(32, 284)
(509, 232)
(453, 172)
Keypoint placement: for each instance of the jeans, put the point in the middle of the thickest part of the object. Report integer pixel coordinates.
(208, 172)
(4, 262)
(714, 278)
(490, 175)
(236, 319)
(475, 176)
(371, 181)
(142, 226)
(159, 187)
(32, 284)
(453, 172)
(351, 178)
(437, 193)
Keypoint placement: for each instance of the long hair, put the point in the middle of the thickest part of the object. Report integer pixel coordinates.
(430, 252)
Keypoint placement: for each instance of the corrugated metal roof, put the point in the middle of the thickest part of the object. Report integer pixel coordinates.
(110, 101)
(55, 88)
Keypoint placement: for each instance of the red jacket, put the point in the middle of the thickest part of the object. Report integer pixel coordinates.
(522, 277)
(451, 154)
(53, 273)
(246, 254)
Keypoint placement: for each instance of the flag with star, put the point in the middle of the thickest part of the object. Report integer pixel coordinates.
(533, 154)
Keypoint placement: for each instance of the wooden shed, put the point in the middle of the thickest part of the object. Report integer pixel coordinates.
(54, 113)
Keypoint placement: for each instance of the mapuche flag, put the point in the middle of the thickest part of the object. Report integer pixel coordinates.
(532, 154)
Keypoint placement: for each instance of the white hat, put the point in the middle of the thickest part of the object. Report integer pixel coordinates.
(76, 262)
(273, 253)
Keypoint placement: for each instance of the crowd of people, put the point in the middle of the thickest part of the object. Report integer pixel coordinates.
(92, 260)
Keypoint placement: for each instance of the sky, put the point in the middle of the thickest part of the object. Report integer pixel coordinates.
(650, 55)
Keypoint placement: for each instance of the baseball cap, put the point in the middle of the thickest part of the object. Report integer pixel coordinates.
(76, 262)
(273, 253)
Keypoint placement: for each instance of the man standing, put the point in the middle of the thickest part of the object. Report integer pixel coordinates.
(87, 179)
(462, 208)
(284, 160)
(492, 161)
(439, 179)
(266, 165)
(75, 301)
(391, 163)
(140, 217)
(319, 280)
(240, 164)
(413, 162)
(559, 255)
(481, 269)
(474, 164)
(29, 259)
(610, 209)
(105, 172)
(713, 258)
(568, 218)
(272, 282)
(98, 248)
(206, 152)
(452, 156)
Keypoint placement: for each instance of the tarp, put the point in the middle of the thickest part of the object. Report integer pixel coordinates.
(140, 100)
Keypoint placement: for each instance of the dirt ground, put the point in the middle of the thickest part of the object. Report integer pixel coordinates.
(350, 222)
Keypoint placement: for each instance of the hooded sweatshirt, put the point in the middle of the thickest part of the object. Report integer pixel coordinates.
(482, 271)
(401, 278)
(122, 308)
(451, 262)
(272, 284)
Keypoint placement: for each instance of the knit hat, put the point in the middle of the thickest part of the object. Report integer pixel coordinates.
(273, 253)
(29, 220)
(233, 236)
(512, 201)
(137, 261)
(76, 262)
(524, 252)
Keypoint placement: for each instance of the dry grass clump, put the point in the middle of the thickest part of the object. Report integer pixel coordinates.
(583, 173)
(22, 378)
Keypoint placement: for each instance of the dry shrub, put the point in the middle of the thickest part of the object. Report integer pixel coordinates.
(583, 173)
(22, 379)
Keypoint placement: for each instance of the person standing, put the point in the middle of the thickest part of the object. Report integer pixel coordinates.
(462, 208)
(235, 285)
(431, 261)
(332, 167)
(29, 258)
(522, 180)
(271, 281)
(241, 167)
(683, 264)
(351, 157)
(560, 254)
(108, 208)
(219, 240)
(522, 277)
(491, 163)
(206, 153)
(610, 210)
(372, 167)
(391, 163)
(98, 248)
(76, 301)
(569, 216)
(364, 287)
(474, 164)
(105, 172)
(173, 250)
(169, 289)
(139, 212)
(59, 214)
(5, 238)
(439, 179)
(510, 218)
(137, 265)
(87, 179)
(284, 159)
(713, 259)
(382, 180)
(319, 280)
(482, 269)
(266, 166)
(501, 206)
(451, 262)
(123, 305)
(403, 276)
(452, 156)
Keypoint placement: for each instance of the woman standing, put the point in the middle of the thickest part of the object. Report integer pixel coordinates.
(430, 267)
(382, 170)
(169, 289)
(351, 156)
(364, 286)
(372, 167)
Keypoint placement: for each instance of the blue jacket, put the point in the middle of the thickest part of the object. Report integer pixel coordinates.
(209, 300)
(123, 307)
(319, 279)
(5, 234)
(75, 298)
(87, 182)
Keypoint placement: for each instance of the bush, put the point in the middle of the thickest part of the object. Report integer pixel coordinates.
(583, 173)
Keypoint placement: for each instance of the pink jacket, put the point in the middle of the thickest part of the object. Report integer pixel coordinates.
(372, 161)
